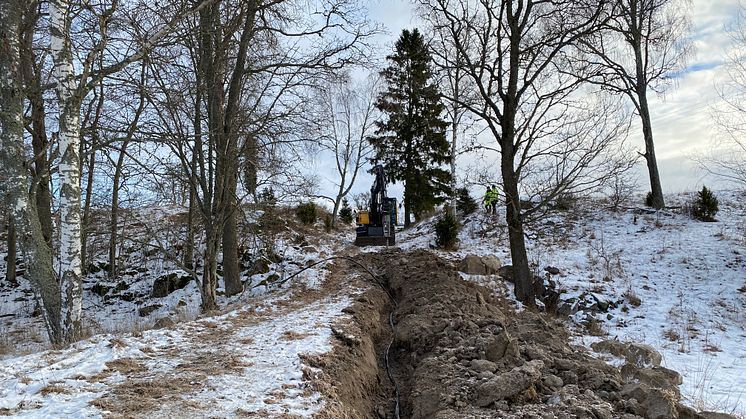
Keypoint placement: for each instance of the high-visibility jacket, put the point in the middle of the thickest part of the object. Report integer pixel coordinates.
(490, 197)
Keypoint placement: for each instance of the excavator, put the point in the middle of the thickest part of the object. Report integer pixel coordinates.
(376, 226)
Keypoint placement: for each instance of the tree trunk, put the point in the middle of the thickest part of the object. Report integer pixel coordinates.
(188, 259)
(70, 260)
(10, 263)
(647, 132)
(14, 176)
(114, 216)
(231, 269)
(32, 79)
(209, 273)
(87, 207)
(647, 126)
(521, 272)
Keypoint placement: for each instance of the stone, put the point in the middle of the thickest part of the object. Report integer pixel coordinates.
(261, 266)
(552, 381)
(509, 384)
(166, 284)
(145, 311)
(657, 377)
(552, 270)
(481, 365)
(164, 323)
(500, 346)
(717, 415)
(660, 404)
(100, 289)
(309, 249)
(639, 355)
(480, 265)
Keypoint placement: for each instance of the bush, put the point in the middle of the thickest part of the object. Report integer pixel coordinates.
(705, 206)
(649, 199)
(267, 197)
(565, 201)
(306, 213)
(465, 204)
(345, 213)
(446, 231)
(328, 223)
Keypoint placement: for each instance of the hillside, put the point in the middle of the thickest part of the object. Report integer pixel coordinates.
(316, 343)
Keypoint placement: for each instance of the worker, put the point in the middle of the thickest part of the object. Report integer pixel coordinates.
(490, 200)
(495, 198)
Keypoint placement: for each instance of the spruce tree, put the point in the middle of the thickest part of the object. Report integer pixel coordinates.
(410, 139)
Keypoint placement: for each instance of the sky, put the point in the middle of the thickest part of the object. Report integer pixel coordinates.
(682, 116)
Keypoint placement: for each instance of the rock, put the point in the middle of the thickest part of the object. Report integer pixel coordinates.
(657, 377)
(121, 286)
(501, 346)
(639, 355)
(552, 381)
(509, 384)
(145, 311)
(164, 323)
(660, 404)
(166, 284)
(643, 355)
(480, 265)
(261, 266)
(552, 270)
(100, 289)
(309, 249)
(686, 412)
(717, 415)
(481, 365)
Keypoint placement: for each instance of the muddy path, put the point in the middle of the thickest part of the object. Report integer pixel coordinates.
(460, 352)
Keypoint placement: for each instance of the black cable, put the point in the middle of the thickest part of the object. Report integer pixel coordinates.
(377, 280)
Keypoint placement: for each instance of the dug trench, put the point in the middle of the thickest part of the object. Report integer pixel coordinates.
(460, 352)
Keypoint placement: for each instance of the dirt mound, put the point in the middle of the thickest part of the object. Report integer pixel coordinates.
(458, 353)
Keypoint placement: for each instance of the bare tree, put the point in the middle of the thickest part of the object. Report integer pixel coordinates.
(638, 50)
(345, 120)
(512, 54)
(726, 157)
(14, 176)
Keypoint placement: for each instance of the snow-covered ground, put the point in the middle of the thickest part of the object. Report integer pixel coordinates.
(242, 363)
(688, 277)
(245, 362)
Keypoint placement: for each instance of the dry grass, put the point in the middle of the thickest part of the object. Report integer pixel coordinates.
(126, 366)
(632, 298)
(54, 388)
(671, 335)
(291, 335)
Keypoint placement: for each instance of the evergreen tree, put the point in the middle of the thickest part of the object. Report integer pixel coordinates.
(410, 141)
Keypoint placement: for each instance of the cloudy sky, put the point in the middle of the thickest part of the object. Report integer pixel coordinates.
(681, 117)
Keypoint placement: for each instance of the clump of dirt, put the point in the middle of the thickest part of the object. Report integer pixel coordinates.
(459, 353)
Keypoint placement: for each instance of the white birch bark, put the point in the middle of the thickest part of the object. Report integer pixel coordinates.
(69, 168)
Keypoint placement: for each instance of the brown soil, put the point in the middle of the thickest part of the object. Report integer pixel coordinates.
(459, 352)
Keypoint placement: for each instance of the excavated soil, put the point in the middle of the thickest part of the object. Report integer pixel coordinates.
(458, 352)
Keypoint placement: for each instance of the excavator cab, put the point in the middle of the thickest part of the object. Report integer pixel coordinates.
(376, 226)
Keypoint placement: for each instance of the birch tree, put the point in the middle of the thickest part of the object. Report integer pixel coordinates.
(345, 120)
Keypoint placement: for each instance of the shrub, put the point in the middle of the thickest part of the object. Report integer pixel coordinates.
(705, 206)
(649, 199)
(446, 231)
(565, 201)
(465, 204)
(267, 197)
(328, 223)
(306, 213)
(345, 213)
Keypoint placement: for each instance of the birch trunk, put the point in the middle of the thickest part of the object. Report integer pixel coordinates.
(10, 262)
(14, 176)
(69, 167)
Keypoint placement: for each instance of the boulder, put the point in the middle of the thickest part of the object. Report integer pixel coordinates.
(657, 377)
(145, 311)
(509, 384)
(480, 265)
(501, 346)
(482, 365)
(638, 355)
(166, 284)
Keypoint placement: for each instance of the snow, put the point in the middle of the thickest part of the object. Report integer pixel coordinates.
(689, 276)
(273, 365)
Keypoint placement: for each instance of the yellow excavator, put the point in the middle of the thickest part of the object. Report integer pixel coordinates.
(376, 226)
